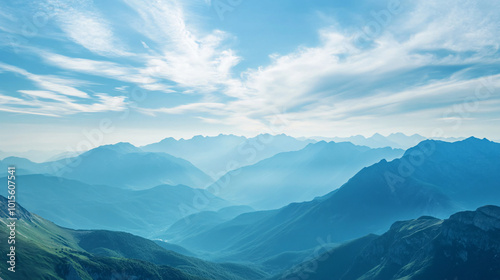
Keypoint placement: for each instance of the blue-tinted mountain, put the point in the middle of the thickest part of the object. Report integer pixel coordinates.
(465, 246)
(34, 155)
(23, 166)
(219, 154)
(300, 175)
(47, 251)
(121, 165)
(74, 204)
(126, 166)
(395, 140)
(434, 178)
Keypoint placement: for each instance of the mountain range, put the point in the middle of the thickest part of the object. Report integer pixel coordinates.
(220, 148)
(120, 165)
(433, 178)
(100, 189)
(395, 140)
(218, 155)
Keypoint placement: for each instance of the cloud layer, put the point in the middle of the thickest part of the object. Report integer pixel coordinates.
(406, 65)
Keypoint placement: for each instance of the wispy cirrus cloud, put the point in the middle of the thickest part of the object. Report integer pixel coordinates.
(183, 55)
(177, 53)
(340, 80)
(48, 103)
(46, 82)
(57, 98)
(103, 68)
(85, 25)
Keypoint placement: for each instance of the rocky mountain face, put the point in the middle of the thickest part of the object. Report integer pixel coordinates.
(464, 246)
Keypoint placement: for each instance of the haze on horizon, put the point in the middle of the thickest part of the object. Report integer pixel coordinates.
(140, 72)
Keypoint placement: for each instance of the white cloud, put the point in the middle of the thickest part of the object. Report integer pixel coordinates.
(86, 26)
(100, 68)
(47, 103)
(47, 82)
(337, 83)
(184, 57)
(45, 95)
(57, 98)
(180, 55)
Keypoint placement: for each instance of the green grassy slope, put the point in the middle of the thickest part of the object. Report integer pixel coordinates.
(47, 251)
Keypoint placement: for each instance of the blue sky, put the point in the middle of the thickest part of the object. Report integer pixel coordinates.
(155, 69)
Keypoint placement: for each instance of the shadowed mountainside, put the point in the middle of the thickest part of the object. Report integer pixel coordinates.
(464, 246)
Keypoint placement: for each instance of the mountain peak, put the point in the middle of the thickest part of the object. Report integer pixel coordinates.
(474, 139)
(377, 135)
(121, 147)
(168, 139)
(399, 134)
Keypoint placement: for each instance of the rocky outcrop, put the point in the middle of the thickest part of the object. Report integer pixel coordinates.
(465, 246)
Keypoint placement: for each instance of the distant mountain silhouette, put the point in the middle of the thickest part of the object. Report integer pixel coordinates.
(395, 140)
(465, 246)
(121, 165)
(219, 154)
(34, 155)
(298, 176)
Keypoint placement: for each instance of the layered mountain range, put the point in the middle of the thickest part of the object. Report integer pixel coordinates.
(434, 178)
(272, 211)
(121, 165)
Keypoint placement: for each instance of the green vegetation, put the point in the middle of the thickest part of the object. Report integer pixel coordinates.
(47, 251)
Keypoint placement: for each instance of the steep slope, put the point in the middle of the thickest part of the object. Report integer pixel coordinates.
(46, 251)
(121, 165)
(331, 264)
(465, 246)
(219, 154)
(125, 245)
(433, 178)
(300, 175)
(78, 205)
